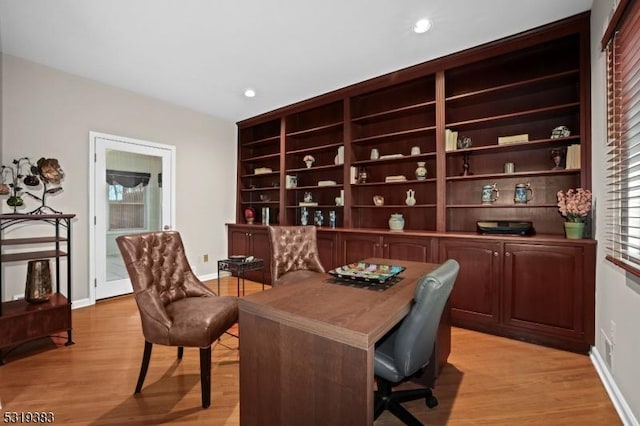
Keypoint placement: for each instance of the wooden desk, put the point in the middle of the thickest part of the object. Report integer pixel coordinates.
(306, 349)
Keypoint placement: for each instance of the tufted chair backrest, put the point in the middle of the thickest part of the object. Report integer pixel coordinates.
(157, 264)
(293, 248)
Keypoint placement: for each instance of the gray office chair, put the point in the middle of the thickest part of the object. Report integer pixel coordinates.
(407, 348)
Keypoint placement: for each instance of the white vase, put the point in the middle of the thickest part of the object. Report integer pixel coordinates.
(421, 171)
(411, 199)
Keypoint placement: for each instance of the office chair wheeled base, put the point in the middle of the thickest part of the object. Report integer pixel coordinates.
(386, 399)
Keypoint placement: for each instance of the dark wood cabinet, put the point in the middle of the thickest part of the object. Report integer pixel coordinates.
(251, 240)
(328, 249)
(527, 84)
(21, 321)
(360, 245)
(475, 298)
(546, 296)
(541, 293)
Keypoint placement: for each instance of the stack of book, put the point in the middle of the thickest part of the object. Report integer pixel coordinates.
(397, 178)
(505, 140)
(573, 157)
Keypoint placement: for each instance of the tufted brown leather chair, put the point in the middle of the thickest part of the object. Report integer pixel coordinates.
(176, 309)
(294, 253)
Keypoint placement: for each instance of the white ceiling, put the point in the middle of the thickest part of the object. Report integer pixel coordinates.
(203, 54)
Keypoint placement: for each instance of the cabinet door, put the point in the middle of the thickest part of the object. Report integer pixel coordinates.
(238, 241)
(475, 299)
(543, 290)
(418, 249)
(328, 250)
(356, 247)
(251, 240)
(260, 247)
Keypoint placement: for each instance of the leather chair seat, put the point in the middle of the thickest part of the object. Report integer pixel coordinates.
(213, 315)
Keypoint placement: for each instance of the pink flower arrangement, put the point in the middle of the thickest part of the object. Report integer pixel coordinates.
(575, 205)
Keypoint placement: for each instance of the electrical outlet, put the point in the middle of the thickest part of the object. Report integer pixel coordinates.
(205, 258)
(612, 332)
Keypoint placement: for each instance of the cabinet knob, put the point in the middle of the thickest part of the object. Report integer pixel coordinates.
(386, 245)
(507, 254)
(495, 253)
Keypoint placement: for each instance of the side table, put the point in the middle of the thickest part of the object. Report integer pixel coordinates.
(240, 268)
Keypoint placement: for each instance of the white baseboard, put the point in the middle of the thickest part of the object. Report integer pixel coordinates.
(208, 277)
(82, 303)
(620, 404)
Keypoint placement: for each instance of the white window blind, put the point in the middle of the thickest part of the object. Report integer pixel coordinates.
(622, 41)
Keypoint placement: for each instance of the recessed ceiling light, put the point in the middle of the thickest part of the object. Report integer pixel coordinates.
(422, 26)
(249, 93)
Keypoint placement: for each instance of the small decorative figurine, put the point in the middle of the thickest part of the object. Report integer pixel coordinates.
(318, 218)
(308, 197)
(465, 166)
(304, 216)
(309, 160)
(556, 156)
(362, 175)
(332, 218)
(560, 132)
(464, 142)
(249, 215)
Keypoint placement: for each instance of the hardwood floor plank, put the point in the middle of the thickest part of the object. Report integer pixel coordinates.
(489, 381)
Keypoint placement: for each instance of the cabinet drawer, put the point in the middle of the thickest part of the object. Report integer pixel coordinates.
(32, 324)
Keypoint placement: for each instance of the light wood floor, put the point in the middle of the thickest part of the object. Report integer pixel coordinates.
(489, 381)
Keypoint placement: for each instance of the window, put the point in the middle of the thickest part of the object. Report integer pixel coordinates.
(127, 199)
(622, 44)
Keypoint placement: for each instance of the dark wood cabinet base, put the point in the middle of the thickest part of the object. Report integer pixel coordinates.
(537, 289)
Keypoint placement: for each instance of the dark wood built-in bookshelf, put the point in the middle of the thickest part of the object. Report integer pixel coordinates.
(529, 83)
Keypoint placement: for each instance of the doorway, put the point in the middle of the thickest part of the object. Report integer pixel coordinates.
(133, 192)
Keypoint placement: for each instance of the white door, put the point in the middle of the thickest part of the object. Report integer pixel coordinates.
(133, 193)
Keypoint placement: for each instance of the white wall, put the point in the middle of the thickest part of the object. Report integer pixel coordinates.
(617, 296)
(50, 113)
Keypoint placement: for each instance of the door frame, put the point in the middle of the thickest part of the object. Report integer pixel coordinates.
(92, 195)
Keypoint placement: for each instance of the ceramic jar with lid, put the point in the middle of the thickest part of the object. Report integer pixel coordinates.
(396, 222)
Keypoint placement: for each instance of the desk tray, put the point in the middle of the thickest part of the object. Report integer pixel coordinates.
(367, 272)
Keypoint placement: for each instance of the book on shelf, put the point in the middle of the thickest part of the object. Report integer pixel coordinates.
(353, 175)
(327, 183)
(451, 140)
(505, 140)
(390, 156)
(308, 203)
(397, 178)
(573, 157)
(262, 170)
